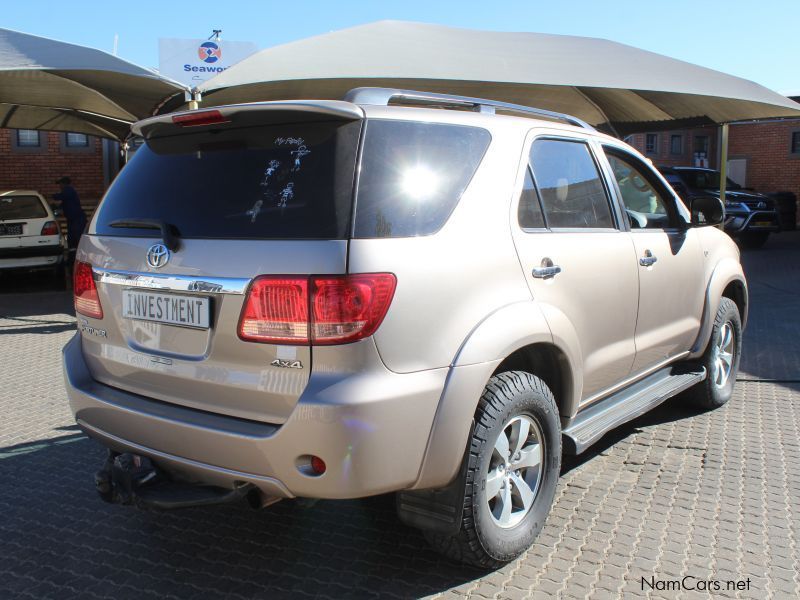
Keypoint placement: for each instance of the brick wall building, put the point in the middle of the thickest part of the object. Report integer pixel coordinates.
(764, 155)
(35, 159)
(771, 154)
(677, 147)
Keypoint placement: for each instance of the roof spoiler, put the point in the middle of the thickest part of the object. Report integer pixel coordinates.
(261, 113)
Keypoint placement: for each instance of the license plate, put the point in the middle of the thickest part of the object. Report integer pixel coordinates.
(172, 309)
(11, 229)
(762, 223)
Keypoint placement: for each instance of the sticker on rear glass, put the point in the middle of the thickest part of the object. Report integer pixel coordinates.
(287, 194)
(300, 152)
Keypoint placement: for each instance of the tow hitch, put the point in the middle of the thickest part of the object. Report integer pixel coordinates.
(136, 480)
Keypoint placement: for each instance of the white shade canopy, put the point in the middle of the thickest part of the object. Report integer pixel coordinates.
(599, 81)
(48, 84)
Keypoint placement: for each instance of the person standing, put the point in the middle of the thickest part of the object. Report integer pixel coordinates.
(70, 205)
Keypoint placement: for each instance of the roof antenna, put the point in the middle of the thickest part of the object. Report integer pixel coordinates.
(215, 35)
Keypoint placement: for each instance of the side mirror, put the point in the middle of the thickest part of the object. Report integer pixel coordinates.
(707, 210)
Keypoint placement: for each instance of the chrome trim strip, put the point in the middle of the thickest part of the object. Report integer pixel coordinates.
(177, 283)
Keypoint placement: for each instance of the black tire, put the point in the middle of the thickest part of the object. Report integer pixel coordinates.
(754, 239)
(481, 541)
(708, 394)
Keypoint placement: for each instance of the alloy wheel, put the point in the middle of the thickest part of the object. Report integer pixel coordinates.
(724, 350)
(515, 471)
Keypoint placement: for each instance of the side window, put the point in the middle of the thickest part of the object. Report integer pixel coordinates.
(530, 211)
(646, 206)
(569, 183)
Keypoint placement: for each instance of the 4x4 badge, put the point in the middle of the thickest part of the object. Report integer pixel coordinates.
(289, 364)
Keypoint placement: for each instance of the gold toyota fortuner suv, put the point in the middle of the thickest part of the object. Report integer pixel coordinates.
(396, 292)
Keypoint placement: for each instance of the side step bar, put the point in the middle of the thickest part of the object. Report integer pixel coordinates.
(593, 422)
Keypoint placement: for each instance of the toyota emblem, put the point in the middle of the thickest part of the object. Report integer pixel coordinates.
(157, 256)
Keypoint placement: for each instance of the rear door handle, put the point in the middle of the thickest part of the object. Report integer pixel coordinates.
(648, 259)
(546, 272)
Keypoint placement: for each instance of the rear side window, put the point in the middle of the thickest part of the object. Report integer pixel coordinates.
(569, 184)
(413, 175)
(258, 182)
(21, 207)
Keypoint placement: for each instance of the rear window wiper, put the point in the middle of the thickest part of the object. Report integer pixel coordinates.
(169, 233)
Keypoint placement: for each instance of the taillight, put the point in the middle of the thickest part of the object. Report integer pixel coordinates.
(276, 310)
(319, 310)
(203, 117)
(50, 228)
(345, 309)
(87, 302)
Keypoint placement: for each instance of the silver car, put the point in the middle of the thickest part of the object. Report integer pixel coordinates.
(398, 292)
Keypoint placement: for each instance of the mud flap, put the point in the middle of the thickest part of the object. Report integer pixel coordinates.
(438, 510)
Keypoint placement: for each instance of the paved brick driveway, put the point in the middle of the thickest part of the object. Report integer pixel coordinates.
(675, 493)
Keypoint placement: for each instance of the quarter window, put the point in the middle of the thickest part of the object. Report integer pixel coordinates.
(569, 184)
(530, 211)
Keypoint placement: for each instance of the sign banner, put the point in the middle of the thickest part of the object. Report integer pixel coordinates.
(192, 62)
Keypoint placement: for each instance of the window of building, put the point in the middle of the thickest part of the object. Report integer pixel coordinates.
(796, 142)
(676, 144)
(28, 138)
(701, 144)
(77, 140)
(571, 190)
(651, 143)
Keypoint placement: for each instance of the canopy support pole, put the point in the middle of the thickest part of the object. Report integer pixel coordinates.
(723, 162)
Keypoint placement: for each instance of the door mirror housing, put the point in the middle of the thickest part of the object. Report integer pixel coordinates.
(707, 210)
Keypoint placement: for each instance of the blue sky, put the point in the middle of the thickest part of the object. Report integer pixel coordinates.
(754, 40)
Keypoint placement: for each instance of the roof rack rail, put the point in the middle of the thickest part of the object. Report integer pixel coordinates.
(383, 96)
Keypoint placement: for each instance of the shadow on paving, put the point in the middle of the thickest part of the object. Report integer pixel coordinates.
(677, 408)
(771, 349)
(56, 528)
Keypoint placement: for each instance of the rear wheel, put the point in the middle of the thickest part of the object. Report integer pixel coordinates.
(721, 358)
(513, 466)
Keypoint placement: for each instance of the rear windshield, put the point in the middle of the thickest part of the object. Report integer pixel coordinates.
(21, 207)
(296, 181)
(413, 174)
(289, 181)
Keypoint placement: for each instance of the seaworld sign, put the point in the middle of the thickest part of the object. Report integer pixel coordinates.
(191, 62)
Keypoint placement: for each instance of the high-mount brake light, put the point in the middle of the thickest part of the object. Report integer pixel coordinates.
(87, 301)
(317, 310)
(203, 117)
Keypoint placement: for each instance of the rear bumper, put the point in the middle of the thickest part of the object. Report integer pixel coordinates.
(31, 256)
(371, 428)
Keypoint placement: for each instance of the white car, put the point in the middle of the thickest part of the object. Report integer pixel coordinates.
(30, 237)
